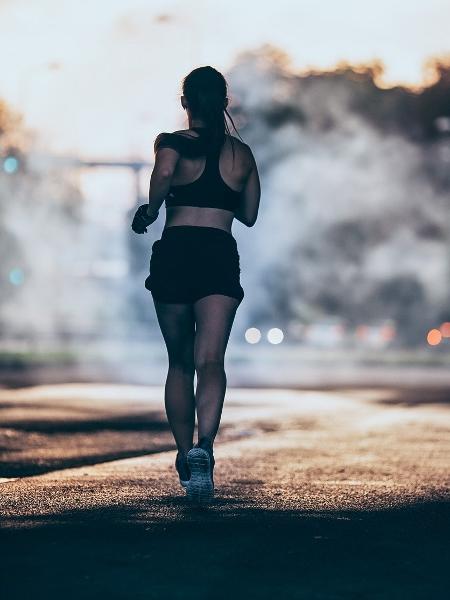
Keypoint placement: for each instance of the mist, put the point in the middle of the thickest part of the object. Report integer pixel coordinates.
(353, 223)
(354, 219)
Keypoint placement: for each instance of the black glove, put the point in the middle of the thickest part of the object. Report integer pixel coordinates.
(141, 219)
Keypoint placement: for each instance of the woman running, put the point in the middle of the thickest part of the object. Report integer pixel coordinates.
(207, 178)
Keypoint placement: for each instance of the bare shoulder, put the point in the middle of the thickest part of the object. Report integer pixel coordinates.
(186, 132)
(243, 150)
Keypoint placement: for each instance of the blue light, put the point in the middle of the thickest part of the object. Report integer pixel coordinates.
(16, 276)
(10, 165)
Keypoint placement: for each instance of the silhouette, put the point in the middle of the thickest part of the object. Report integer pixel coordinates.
(207, 177)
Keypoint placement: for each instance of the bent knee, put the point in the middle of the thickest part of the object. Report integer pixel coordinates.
(203, 364)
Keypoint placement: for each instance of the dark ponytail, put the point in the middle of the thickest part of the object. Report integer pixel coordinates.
(205, 90)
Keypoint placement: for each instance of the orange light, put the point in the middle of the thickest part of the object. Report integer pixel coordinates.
(434, 337)
(445, 329)
(362, 331)
(387, 332)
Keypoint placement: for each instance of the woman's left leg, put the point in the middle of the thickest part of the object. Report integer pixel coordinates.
(214, 316)
(177, 325)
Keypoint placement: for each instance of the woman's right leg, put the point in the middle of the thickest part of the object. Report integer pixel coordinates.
(214, 316)
(178, 329)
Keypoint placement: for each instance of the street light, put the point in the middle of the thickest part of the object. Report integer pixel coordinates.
(11, 163)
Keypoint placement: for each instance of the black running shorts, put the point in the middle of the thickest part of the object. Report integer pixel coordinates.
(190, 262)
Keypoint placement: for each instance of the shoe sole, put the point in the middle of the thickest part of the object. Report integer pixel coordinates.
(200, 488)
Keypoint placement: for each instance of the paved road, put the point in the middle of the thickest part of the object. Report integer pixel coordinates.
(321, 495)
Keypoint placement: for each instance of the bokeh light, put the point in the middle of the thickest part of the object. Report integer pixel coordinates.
(16, 276)
(434, 337)
(445, 329)
(275, 335)
(252, 335)
(361, 331)
(387, 333)
(10, 165)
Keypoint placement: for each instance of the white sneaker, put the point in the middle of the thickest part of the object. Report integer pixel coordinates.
(201, 462)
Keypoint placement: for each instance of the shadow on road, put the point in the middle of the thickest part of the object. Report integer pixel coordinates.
(229, 551)
(35, 445)
(417, 396)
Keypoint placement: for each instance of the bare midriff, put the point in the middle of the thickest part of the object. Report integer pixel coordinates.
(199, 216)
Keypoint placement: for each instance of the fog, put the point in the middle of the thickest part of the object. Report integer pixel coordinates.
(353, 225)
(354, 215)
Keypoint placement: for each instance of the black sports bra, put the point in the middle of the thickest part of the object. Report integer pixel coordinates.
(208, 190)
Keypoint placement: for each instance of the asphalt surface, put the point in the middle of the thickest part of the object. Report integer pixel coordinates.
(319, 494)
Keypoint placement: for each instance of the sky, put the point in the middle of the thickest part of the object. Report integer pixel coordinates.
(101, 79)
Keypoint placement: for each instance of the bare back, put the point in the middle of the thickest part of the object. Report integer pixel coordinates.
(235, 174)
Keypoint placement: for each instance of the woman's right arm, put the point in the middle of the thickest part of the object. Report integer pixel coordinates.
(247, 211)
